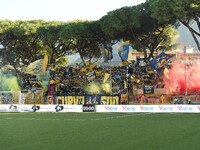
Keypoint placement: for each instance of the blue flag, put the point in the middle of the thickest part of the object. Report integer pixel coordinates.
(160, 61)
(107, 53)
(117, 76)
(123, 50)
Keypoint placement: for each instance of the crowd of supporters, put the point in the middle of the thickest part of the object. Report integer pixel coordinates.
(71, 81)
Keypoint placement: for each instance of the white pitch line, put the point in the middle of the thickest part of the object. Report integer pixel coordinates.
(42, 119)
(94, 119)
(121, 116)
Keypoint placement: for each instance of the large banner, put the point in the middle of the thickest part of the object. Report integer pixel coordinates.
(88, 99)
(70, 100)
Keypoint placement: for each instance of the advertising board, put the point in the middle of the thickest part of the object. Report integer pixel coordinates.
(41, 108)
(89, 108)
(102, 108)
(149, 108)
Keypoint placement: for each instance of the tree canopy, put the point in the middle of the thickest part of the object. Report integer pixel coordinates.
(136, 24)
(148, 26)
(186, 12)
(20, 39)
(53, 44)
(85, 36)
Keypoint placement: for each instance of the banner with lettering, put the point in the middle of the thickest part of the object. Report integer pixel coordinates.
(88, 99)
(148, 89)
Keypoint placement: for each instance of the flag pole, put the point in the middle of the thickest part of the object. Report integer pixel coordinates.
(110, 80)
(170, 87)
(184, 49)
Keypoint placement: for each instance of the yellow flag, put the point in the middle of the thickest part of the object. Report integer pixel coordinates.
(107, 75)
(37, 67)
(87, 68)
(20, 62)
(166, 71)
(125, 86)
(44, 65)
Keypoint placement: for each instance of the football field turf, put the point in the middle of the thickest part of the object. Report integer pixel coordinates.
(99, 131)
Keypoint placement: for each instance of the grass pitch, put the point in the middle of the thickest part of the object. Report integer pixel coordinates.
(99, 131)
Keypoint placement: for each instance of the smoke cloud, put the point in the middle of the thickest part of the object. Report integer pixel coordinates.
(97, 88)
(177, 76)
(9, 82)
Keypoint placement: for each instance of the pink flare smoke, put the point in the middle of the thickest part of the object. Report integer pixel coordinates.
(177, 76)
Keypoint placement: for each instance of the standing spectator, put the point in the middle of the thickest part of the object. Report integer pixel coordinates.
(51, 88)
(189, 101)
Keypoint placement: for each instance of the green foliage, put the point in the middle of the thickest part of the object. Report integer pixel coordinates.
(175, 11)
(56, 47)
(31, 40)
(20, 39)
(85, 36)
(143, 25)
(137, 25)
(119, 21)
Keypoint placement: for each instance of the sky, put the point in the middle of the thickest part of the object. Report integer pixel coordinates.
(60, 10)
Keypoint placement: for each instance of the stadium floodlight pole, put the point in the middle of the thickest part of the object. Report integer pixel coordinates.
(184, 50)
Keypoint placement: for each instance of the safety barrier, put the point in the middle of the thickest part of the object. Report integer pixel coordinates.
(152, 99)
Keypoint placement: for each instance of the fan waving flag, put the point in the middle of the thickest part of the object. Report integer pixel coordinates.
(166, 72)
(20, 62)
(106, 76)
(107, 53)
(37, 67)
(123, 50)
(160, 61)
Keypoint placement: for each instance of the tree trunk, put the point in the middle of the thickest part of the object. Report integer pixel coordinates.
(195, 39)
(141, 45)
(98, 60)
(192, 32)
(84, 62)
(151, 54)
(4, 55)
(198, 22)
